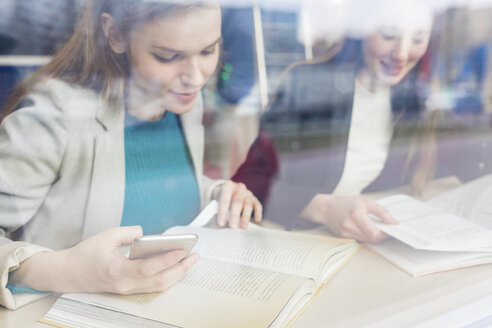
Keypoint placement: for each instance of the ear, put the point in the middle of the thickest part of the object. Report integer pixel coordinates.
(115, 37)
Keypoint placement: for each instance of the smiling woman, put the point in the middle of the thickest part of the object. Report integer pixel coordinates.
(170, 68)
(395, 44)
(105, 142)
(341, 117)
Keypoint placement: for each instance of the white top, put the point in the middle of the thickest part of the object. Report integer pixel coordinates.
(370, 134)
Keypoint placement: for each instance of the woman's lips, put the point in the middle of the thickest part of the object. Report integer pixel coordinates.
(391, 69)
(185, 97)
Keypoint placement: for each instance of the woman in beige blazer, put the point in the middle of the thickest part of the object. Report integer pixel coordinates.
(62, 149)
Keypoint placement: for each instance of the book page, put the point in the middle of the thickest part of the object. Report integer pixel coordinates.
(424, 227)
(289, 252)
(471, 201)
(419, 262)
(214, 294)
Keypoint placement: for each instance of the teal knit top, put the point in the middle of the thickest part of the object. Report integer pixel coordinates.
(161, 188)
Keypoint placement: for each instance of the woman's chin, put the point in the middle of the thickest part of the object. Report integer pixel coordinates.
(179, 109)
(391, 80)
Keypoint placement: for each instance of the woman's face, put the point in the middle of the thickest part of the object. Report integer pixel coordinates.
(171, 60)
(392, 51)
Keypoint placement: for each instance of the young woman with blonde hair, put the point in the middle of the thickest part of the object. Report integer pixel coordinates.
(105, 143)
(340, 123)
(361, 122)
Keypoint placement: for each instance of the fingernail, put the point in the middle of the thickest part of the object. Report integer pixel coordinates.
(194, 257)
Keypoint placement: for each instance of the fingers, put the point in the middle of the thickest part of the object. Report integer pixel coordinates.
(169, 277)
(240, 203)
(348, 229)
(224, 202)
(122, 235)
(246, 213)
(381, 212)
(162, 280)
(237, 204)
(143, 268)
(357, 224)
(369, 232)
(258, 210)
(96, 265)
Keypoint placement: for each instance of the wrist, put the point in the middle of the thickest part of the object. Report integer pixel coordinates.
(43, 271)
(314, 211)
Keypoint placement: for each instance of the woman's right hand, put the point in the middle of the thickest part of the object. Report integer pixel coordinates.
(348, 216)
(96, 265)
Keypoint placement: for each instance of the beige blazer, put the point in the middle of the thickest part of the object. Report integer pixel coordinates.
(62, 173)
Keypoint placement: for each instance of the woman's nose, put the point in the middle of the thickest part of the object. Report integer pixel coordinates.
(192, 75)
(401, 53)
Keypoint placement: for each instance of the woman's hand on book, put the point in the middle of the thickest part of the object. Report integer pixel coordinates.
(240, 203)
(96, 265)
(348, 216)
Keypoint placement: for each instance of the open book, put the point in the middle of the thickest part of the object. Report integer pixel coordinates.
(245, 278)
(450, 231)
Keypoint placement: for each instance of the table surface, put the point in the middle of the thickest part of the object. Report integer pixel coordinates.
(367, 291)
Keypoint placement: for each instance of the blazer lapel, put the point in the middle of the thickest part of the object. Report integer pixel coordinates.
(107, 191)
(194, 134)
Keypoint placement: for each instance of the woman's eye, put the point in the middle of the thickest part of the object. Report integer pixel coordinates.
(389, 36)
(166, 59)
(208, 52)
(420, 38)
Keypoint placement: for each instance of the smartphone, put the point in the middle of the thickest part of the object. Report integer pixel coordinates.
(152, 245)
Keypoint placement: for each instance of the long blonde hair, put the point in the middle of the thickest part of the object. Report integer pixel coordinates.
(87, 59)
(423, 147)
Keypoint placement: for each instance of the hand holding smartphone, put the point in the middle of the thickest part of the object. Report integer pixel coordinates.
(152, 245)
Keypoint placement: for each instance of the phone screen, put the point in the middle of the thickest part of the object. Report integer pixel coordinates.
(152, 245)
